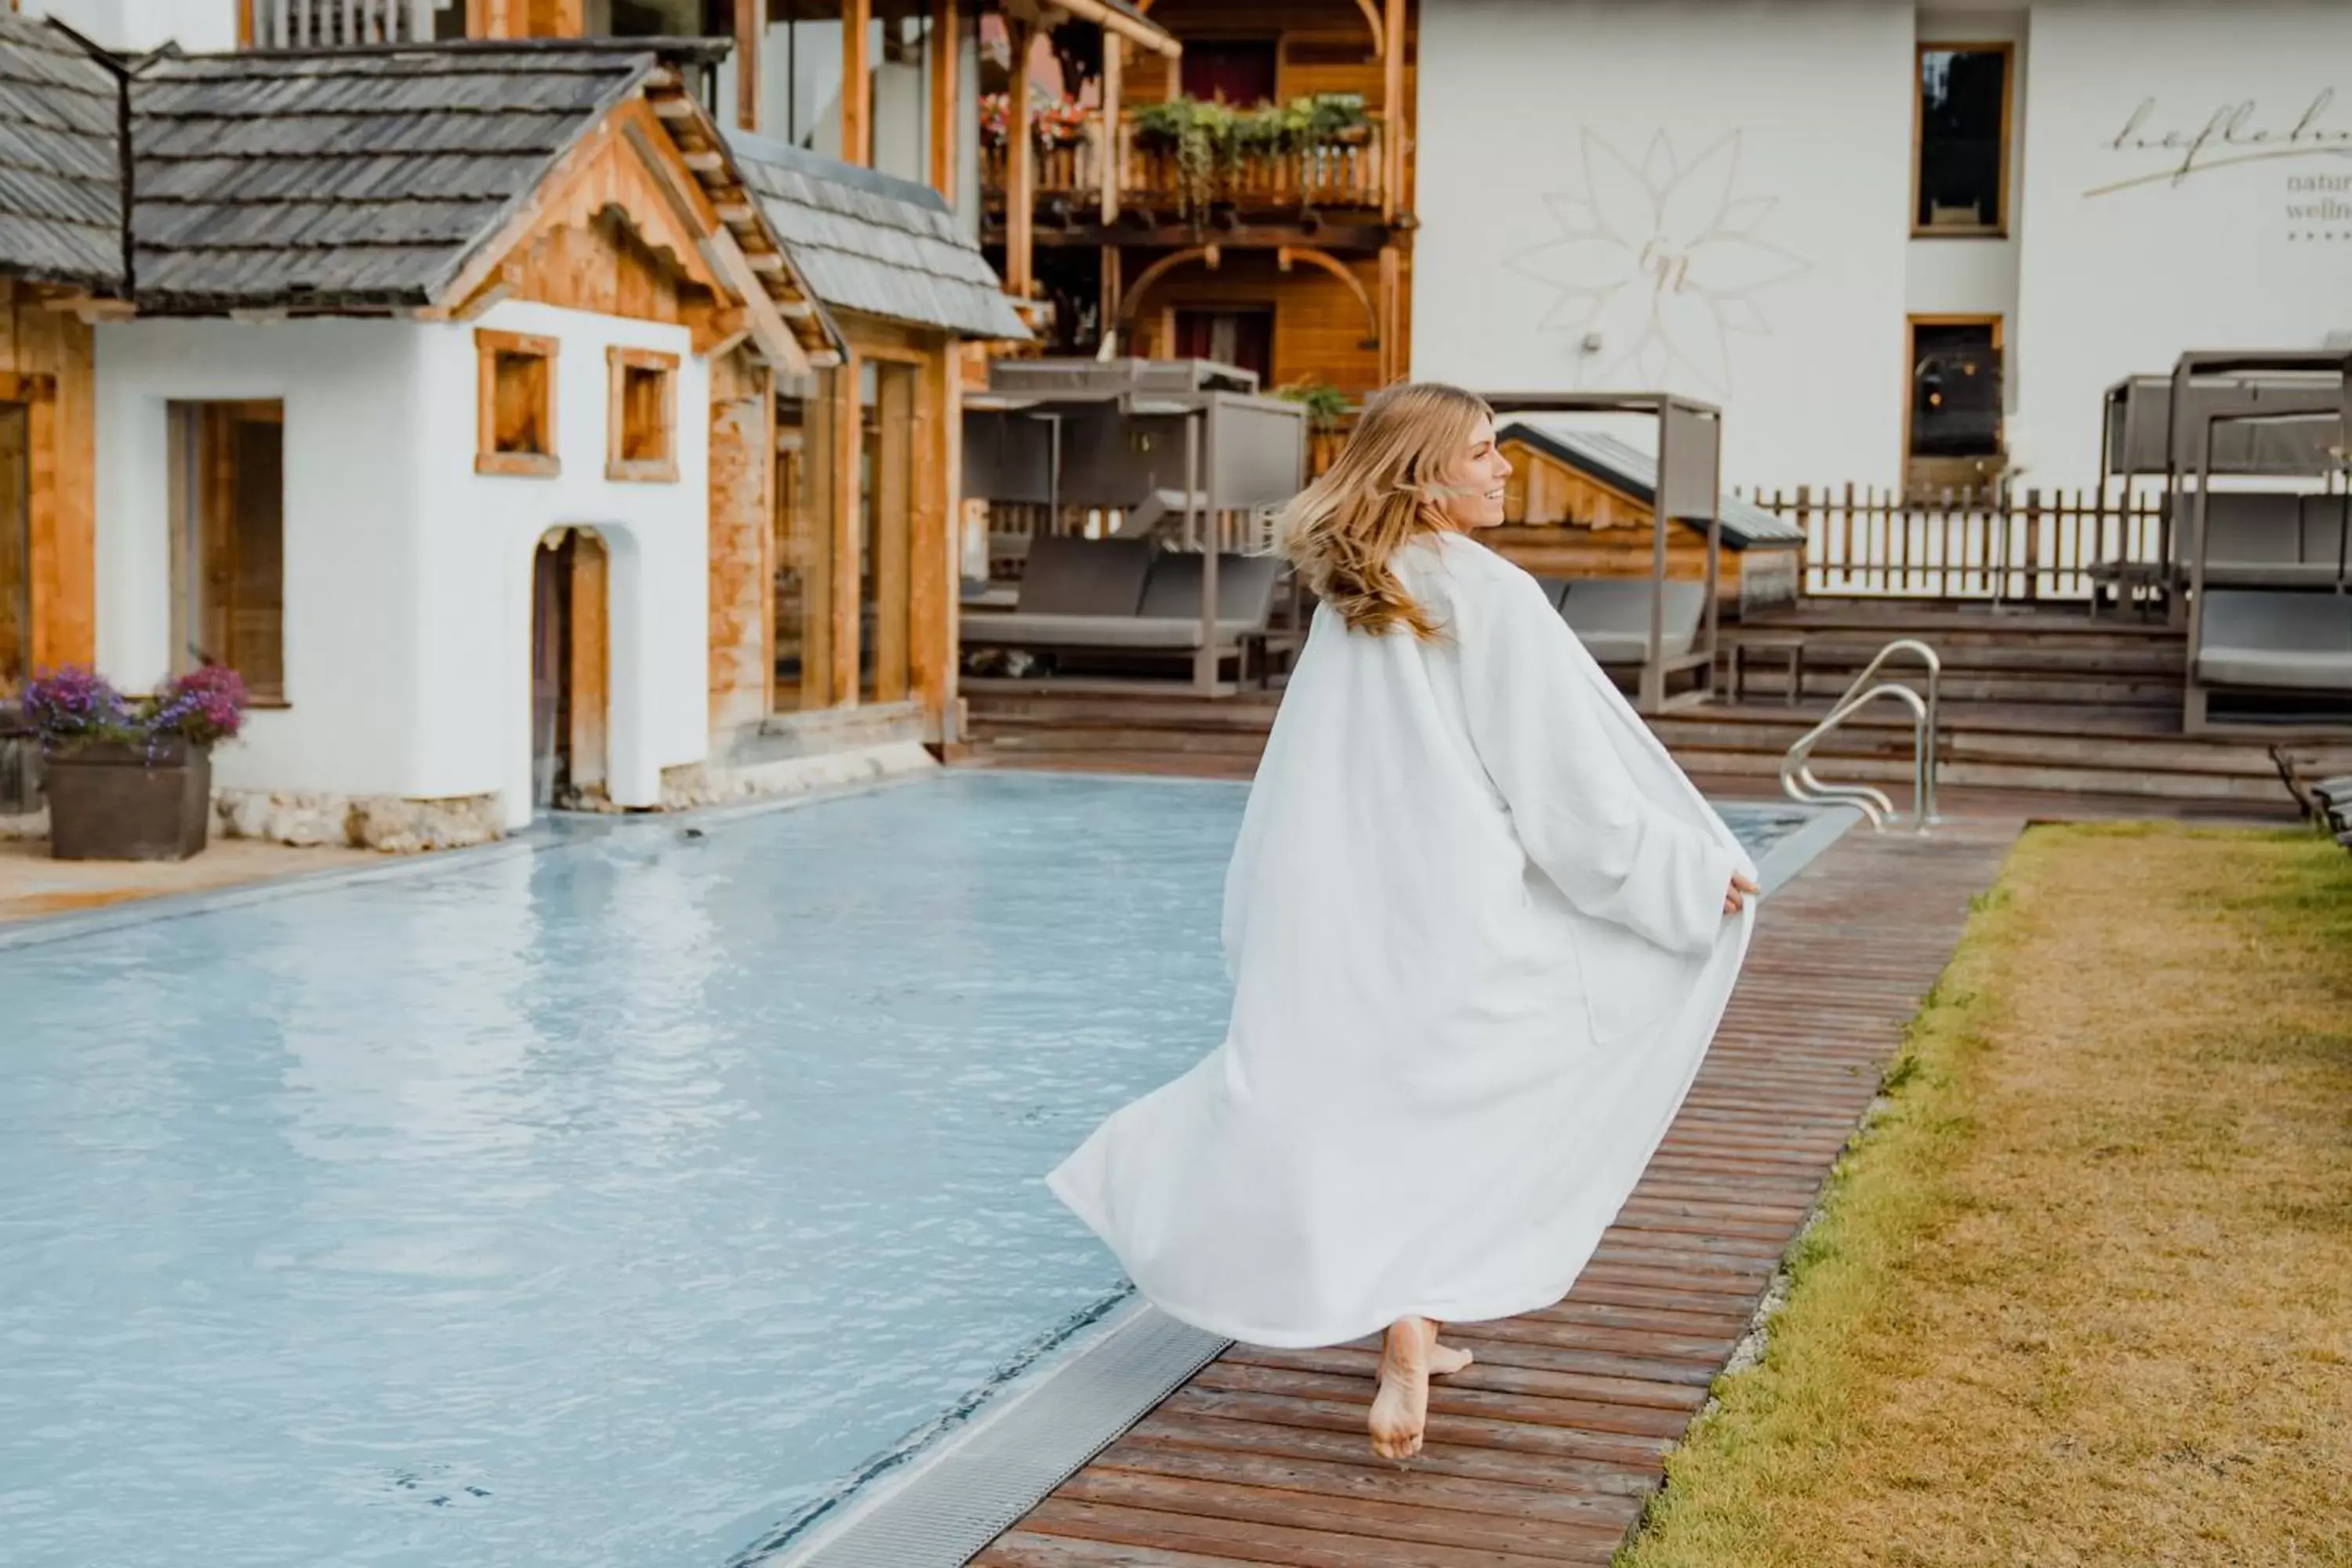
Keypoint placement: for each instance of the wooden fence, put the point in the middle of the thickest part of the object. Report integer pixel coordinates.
(2031, 544)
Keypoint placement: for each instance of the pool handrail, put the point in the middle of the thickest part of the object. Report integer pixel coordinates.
(1797, 780)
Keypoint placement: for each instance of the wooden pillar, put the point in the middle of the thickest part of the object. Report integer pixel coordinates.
(947, 94)
(845, 415)
(1114, 57)
(934, 576)
(857, 82)
(1391, 109)
(244, 24)
(751, 23)
(892, 525)
(1021, 170)
(1114, 290)
(1390, 306)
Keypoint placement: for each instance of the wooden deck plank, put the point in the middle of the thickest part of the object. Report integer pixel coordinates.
(1544, 1449)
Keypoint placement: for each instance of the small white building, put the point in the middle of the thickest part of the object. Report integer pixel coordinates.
(1845, 220)
(408, 419)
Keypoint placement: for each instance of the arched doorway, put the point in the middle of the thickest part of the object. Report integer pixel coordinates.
(570, 679)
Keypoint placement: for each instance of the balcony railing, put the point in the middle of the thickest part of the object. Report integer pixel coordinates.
(1343, 174)
(339, 23)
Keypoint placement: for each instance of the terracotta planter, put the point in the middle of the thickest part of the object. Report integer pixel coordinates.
(114, 801)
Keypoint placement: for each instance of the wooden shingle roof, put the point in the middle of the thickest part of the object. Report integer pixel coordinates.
(868, 242)
(60, 161)
(352, 178)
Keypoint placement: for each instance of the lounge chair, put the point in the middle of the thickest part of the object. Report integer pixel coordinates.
(1068, 588)
(1611, 615)
(2276, 640)
(1162, 617)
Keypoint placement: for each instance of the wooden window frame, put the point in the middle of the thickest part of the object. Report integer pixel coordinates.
(618, 363)
(488, 344)
(203, 531)
(2006, 51)
(1911, 325)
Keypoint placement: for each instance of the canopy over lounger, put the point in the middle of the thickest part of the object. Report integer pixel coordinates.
(1175, 461)
(1688, 488)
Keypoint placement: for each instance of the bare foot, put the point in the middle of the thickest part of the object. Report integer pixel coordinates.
(1445, 1361)
(1400, 1408)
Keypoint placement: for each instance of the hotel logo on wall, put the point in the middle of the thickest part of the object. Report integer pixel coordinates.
(2307, 146)
(1660, 264)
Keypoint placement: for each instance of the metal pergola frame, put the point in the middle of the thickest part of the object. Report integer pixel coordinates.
(2195, 717)
(1205, 492)
(1669, 410)
(2254, 375)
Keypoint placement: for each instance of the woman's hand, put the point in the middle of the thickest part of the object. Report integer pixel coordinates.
(1736, 899)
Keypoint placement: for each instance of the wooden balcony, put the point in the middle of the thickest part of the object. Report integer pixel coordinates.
(1344, 179)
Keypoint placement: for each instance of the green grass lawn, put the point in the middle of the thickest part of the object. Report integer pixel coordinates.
(2083, 1293)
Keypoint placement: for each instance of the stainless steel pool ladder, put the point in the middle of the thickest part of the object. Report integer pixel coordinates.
(1797, 778)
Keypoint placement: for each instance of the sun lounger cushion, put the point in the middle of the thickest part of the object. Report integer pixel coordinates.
(1611, 615)
(2284, 641)
(1245, 587)
(1114, 633)
(1066, 575)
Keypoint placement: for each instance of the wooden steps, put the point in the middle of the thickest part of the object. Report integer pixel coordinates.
(2039, 701)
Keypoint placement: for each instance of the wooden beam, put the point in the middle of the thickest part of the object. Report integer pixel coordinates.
(848, 431)
(891, 525)
(1391, 297)
(1020, 168)
(947, 94)
(857, 82)
(777, 344)
(1114, 64)
(244, 38)
(1372, 20)
(1392, 108)
(751, 22)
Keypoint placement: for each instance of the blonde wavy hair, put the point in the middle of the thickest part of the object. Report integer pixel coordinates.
(1385, 490)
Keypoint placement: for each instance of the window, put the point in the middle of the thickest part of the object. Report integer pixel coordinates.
(516, 416)
(1239, 72)
(1241, 338)
(641, 416)
(1961, 183)
(1954, 429)
(15, 547)
(228, 556)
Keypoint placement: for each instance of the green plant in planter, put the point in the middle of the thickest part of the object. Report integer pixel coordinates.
(1200, 136)
(1209, 140)
(1325, 404)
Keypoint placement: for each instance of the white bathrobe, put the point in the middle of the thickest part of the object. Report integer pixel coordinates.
(1475, 924)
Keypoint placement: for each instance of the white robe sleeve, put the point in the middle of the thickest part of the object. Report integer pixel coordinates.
(1531, 698)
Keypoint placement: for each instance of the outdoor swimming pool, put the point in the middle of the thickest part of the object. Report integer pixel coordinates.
(607, 1205)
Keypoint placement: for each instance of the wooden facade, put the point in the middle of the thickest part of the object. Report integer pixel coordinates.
(48, 555)
(1296, 262)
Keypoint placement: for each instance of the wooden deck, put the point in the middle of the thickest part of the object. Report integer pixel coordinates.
(1544, 1451)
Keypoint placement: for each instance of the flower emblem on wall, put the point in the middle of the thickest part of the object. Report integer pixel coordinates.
(1662, 261)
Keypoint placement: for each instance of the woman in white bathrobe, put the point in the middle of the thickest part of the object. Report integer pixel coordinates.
(1481, 929)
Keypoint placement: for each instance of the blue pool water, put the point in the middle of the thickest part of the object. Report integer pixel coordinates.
(609, 1205)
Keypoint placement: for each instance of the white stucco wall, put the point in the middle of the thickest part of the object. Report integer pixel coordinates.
(198, 27)
(1720, 191)
(408, 576)
(2120, 276)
